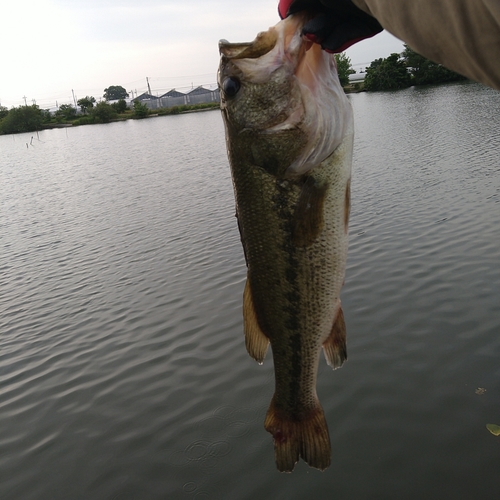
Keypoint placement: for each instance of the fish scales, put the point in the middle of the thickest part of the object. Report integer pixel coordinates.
(292, 218)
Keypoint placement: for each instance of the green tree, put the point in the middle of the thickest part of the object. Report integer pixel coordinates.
(46, 115)
(66, 112)
(387, 74)
(120, 106)
(344, 68)
(103, 112)
(86, 103)
(423, 71)
(3, 112)
(22, 119)
(140, 110)
(115, 92)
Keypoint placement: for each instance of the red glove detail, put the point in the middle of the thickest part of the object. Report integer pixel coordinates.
(283, 7)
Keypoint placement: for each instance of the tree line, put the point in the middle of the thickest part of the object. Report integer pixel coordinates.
(398, 71)
(31, 118)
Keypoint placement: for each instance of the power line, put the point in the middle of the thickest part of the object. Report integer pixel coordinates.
(157, 84)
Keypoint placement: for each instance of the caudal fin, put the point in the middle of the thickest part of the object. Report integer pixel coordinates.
(293, 438)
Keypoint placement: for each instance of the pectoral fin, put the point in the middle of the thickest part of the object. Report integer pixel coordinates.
(334, 346)
(308, 217)
(255, 340)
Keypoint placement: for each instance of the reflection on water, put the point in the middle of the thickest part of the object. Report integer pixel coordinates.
(123, 371)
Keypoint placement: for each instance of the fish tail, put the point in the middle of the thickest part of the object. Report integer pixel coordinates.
(306, 437)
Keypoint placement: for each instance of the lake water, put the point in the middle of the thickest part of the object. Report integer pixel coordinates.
(123, 370)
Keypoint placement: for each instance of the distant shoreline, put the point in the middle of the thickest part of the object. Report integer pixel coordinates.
(86, 119)
(158, 112)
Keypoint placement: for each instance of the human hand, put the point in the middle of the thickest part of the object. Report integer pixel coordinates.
(334, 24)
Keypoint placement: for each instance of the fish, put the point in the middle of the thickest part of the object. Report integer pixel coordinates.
(289, 136)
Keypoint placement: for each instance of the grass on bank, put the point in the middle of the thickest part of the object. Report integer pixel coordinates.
(144, 112)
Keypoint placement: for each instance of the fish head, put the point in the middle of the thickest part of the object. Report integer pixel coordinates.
(256, 79)
(282, 88)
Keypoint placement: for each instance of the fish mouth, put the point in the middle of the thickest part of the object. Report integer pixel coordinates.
(266, 41)
(263, 43)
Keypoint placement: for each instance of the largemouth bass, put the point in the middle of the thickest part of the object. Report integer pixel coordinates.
(289, 133)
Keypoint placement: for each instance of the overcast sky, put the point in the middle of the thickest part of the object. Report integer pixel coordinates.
(51, 47)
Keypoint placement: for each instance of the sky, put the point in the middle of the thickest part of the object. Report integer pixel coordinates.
(54, 49)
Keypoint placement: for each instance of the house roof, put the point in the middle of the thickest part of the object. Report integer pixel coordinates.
(145, 96)
(199, 90)
(173, 93)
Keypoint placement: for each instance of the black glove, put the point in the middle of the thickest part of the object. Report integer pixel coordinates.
(334, 24)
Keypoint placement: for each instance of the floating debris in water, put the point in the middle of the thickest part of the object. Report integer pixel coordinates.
(494, 429)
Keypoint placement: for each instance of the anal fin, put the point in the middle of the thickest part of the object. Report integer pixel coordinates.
(255, 340)
(334, 346)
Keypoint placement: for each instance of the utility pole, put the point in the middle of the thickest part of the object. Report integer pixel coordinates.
(24, 97)
(149, 88)
(74, 98)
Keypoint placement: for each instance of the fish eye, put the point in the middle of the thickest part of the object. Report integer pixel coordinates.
(231, 86)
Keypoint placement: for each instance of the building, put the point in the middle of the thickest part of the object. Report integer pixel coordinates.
(146, 97)
(172, 93)
(199, 95)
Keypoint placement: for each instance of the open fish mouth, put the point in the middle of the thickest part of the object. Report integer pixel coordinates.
(263, 43)
(288, 30)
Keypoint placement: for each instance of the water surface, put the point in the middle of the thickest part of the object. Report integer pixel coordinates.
(123, 371)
